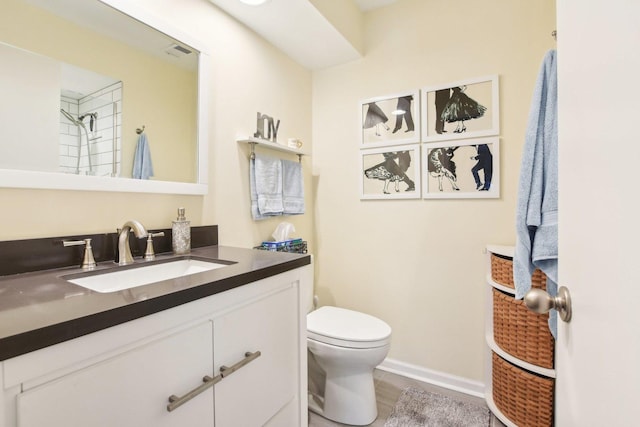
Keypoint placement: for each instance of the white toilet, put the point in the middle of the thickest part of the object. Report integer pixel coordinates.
(347, 346)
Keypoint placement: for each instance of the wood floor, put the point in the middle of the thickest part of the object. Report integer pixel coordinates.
(388, 389)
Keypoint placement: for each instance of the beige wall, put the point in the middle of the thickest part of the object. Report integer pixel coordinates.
(247, 75)
(418, 264)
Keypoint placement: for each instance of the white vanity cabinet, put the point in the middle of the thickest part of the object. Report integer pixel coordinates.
(128, 389)
(248, 396)
(249, 343)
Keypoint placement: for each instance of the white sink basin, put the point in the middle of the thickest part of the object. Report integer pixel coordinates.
(134, 277)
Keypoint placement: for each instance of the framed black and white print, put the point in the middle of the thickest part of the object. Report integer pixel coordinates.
(390, 120)
(390, 172)
(464, 169)
(459, 110)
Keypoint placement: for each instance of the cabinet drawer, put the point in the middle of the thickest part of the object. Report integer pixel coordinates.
(253, 394)
(131, 389)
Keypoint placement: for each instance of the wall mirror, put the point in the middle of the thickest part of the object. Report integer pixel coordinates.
(84, 82)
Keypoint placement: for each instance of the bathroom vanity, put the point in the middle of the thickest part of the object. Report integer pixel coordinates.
(224, 347)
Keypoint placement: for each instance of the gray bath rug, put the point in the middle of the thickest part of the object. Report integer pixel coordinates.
(420, 408)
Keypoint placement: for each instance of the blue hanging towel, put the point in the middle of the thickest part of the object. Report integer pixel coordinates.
(266, 187)
(537, 206)
(292, 188)
(142, 165)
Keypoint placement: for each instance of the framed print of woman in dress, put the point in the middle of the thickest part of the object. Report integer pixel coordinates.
(390, 172)
(390, 120)
(464, 169)
(464, 109)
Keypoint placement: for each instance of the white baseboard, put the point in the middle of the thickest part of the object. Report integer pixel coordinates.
(440, 379)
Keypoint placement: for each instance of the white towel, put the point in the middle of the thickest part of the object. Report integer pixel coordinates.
(142, 165)
(537, 207)
(292, 188)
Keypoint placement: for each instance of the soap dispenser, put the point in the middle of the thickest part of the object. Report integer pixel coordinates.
(181, 234)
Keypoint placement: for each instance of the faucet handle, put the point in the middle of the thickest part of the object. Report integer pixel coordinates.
(149, 254)
(88, 262)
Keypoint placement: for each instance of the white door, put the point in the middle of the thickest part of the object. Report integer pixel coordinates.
(598, 352)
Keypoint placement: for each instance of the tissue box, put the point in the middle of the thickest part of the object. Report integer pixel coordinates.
(290, 245)
(276, 245)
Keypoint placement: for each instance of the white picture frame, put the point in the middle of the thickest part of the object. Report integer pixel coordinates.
(461, 110)
(390, 120)
(392, 172)
(462, 169)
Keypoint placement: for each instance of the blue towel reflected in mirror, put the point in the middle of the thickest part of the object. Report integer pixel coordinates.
(142, 164)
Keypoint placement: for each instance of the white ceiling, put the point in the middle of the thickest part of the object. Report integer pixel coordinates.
(298, 29)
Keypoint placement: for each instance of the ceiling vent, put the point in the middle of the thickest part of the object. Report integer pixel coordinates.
(177, 51)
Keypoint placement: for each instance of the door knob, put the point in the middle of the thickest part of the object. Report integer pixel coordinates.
(541, 302)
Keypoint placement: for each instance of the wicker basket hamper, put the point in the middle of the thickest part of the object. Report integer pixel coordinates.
(523, 397)
(517, 330)
(521, 332)
(502, 273)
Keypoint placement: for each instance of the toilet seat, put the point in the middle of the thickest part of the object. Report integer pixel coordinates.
(347, 328)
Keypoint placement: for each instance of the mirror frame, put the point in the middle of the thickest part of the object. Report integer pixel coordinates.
(10, 178)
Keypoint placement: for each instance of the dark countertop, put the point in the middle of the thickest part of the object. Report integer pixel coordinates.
(39, 309)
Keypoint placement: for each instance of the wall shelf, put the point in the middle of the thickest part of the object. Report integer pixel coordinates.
(273, 146)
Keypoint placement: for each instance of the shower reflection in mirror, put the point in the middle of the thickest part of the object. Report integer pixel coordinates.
(90, 132)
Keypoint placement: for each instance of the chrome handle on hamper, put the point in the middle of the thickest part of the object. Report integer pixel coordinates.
(541, 302)
(175, 401)
(225, 371)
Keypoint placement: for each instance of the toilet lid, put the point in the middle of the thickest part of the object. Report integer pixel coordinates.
(339, 326)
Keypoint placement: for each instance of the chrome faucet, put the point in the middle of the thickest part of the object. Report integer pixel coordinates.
(124, 251)
(88, 261)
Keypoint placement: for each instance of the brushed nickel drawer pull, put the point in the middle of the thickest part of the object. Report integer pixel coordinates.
(225, 371)
(175, 401)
